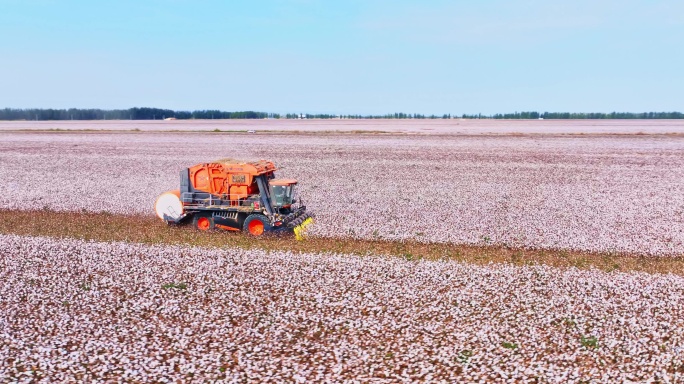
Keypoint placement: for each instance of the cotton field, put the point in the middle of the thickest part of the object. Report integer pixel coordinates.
(73, 310)
(605, 193)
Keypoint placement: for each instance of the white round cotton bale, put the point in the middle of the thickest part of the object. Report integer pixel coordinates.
(168, 206)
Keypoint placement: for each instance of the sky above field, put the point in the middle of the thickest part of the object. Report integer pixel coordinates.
(361, 56)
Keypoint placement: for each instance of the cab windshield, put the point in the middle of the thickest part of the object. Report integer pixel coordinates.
(282, 195)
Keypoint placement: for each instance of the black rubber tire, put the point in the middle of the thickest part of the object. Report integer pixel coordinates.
(195, 223)
(264, 221)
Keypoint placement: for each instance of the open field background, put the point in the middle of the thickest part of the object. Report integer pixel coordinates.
(419, 126)
(605, 193)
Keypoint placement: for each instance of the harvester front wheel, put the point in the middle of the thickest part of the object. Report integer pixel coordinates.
(204, 223)
(256, 225)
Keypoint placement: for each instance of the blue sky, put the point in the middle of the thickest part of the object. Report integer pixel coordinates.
(344, 56)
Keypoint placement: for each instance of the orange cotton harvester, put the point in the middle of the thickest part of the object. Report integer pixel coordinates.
(235, 196)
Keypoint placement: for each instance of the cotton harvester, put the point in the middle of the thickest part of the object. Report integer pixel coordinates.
(235, 196)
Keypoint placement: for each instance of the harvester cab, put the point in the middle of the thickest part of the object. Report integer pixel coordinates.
(283, 192)
(235, 197)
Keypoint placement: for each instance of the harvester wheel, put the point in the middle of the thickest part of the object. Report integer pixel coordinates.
(256, 225)
(204, 223)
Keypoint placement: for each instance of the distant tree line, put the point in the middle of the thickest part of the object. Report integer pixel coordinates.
(385, 116)
(592, 115)
(160, 114)
(516, 115)
(126, 114)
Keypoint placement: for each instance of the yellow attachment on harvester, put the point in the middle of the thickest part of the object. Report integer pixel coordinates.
(300, 230)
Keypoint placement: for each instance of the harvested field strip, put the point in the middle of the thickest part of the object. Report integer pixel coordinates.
(149, 230)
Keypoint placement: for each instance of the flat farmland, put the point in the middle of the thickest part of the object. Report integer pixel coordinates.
(507, 256)
(594, 192)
